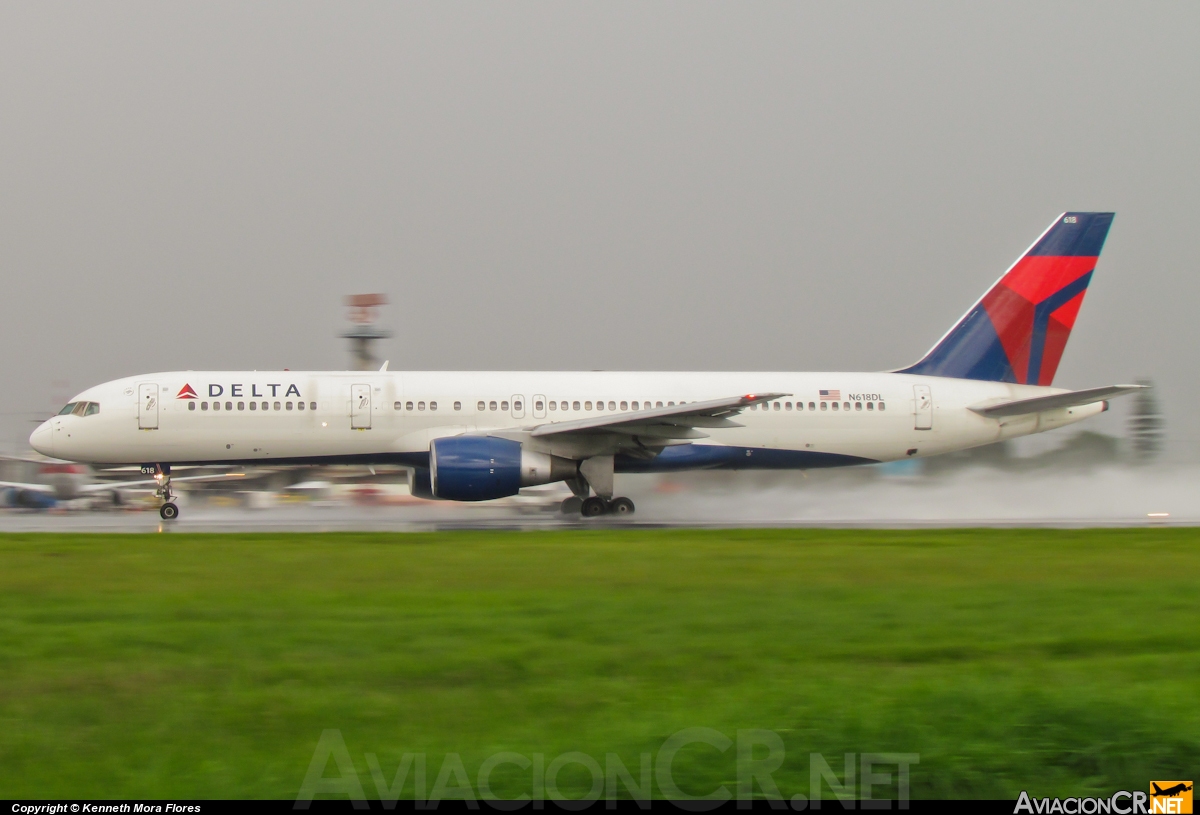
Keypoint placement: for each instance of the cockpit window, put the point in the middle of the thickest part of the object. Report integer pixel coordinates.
(70, 406)
(80, 407)
(92, 409)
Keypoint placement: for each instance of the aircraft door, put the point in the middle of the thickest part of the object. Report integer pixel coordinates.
(922, 407)
(147, 406)
(539, 406)
(360, 407)
(518, 406)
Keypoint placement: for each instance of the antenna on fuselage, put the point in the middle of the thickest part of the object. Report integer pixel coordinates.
(364, 333)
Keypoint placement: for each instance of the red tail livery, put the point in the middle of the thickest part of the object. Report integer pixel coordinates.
(1018, 330)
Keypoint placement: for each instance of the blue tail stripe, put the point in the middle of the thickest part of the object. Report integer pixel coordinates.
(1041, 322)
(971, 351)
(1083, 237)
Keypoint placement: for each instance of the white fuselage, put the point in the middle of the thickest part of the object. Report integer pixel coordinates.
(298, 416)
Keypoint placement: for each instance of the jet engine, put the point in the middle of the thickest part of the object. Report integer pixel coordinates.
(480, 468)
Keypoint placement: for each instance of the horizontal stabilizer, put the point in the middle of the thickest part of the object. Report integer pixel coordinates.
(1055, 401)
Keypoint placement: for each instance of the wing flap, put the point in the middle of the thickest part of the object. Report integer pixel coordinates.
(1054, 401)
(690, 414)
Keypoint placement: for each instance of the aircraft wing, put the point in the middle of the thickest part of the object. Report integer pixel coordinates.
(150, 483)
(46, 488)
(672, 422)
(1055, 401)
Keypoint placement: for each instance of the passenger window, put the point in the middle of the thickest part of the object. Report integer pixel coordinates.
(67, 408)
(812, 405)
(433, 405)
(92, 409)
(299, 406)
(612, 405)
(312, 405)
(824, 405)
(777, 406)
(204, 405)
(624, 406)
(658, 404)
(288, 405)
(539, 405)
(870, 405)
(554, 405)
(587, 405)
(216, 405)
(458, 405)
(858, 405)
(420, 405)
(670, 404)
(491, 405)
(575, 405)
(254, 405)
(835, 405)
(787, 405)
(397, 405)
(191, 405)
(241, 405)
(277, 406)
(635, 405)
(845, 405)
(881, 406)
(267, 405)
(504, 405)
(481, 407)
(229, 405)
(517, 405)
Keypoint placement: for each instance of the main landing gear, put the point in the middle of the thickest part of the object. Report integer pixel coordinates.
(169, 511)
(595, 473)
(596, 506)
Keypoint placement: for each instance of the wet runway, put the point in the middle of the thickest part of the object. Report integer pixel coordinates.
(982, 498)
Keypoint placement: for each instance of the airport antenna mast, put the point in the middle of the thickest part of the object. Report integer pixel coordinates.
(364, 333)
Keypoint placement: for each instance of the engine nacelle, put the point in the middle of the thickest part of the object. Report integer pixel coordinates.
(480, 468)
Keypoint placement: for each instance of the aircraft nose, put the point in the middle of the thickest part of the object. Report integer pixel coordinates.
(42, 439)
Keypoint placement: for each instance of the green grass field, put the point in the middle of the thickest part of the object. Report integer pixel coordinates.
(1063, 662)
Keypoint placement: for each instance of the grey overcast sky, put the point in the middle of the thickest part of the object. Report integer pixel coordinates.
(644, 185)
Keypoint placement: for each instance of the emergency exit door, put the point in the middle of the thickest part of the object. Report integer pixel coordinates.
(147, 406)
(922, 407)
(360, 407)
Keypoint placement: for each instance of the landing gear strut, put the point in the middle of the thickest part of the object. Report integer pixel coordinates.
(595, 473)
(169, 511)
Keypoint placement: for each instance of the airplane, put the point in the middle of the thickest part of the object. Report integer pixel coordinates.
(478, 436)
(1170, 792)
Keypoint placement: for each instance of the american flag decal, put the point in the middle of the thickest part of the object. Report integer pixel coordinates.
(831, 396)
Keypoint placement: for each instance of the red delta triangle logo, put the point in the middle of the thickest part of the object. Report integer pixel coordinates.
(186, 392)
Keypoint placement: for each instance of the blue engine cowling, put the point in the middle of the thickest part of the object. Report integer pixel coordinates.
(480, 468)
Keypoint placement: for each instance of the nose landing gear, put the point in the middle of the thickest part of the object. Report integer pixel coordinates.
(169, 511)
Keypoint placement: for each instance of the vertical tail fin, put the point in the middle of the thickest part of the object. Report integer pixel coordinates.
(1018, 330)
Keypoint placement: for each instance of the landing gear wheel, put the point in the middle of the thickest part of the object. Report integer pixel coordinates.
(593, 507)
(168, 512)
(571, 506)
(621, 506)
